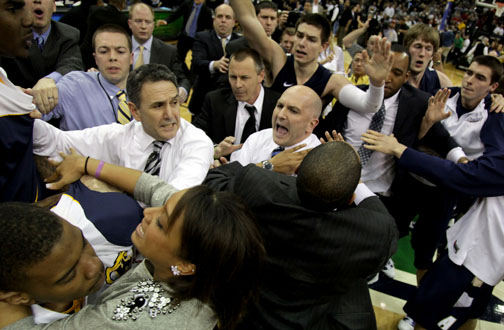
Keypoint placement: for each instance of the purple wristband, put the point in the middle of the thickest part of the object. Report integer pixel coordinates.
(98, 169)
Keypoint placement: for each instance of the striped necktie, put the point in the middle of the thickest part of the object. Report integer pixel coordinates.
(123, 111)
(139, 60)
(375, 125)
(276, 151)
(154, 161)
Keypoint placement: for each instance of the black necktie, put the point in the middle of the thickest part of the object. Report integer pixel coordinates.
(250, 125)
(154, 161)
(375, 125)
(277, 151)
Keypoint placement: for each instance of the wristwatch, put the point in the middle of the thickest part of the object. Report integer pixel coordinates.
(266, 164)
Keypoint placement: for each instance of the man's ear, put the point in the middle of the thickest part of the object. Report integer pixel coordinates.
(134, 111)
(16, 298)
(493, 87)
(325, 45)
(352, 199)
(186, 268)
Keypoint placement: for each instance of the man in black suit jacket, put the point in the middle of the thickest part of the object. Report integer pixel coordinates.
(224, 116)
(318, 258)
(153, 50)
(54, 53)
(209, 63)
(203, 17)
(410, 105)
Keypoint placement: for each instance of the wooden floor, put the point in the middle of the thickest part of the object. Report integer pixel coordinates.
(389, 296)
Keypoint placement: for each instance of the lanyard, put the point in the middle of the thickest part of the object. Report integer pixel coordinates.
(114, 112)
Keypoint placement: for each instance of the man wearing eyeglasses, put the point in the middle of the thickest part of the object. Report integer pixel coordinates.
(147, 49)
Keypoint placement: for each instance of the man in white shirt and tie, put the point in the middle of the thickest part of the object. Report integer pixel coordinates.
(294, 118)
(158, 141)
(147, 49)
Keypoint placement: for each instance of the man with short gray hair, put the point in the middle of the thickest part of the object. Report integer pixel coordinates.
(158, 141)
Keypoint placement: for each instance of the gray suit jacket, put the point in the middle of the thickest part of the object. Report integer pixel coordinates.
(162, 53)
(61, 53)
(317, 262)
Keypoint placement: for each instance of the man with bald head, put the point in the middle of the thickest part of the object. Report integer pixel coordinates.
(294, 119)
(209, 61)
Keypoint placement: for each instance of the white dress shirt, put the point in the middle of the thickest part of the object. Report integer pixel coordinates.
(259, 146)
(186, 158)
(466, 129)
(378, 173)
(475, 240)
(242, 116)
(146, 52)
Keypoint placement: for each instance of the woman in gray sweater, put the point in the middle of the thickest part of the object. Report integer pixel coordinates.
(202, 257)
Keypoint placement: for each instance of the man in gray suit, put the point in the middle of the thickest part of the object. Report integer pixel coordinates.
(54, 52)
(320, 249)
(147, 49)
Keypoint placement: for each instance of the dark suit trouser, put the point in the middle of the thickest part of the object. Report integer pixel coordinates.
(434, 207)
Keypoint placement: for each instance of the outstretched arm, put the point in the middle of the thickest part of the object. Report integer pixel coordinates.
(479, 177)
(74, 166)
(270, 51)
(377, 68)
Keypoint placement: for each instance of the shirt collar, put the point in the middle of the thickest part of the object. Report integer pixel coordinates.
(44, 35)
(258, 102)
(392, 99)
(147, 45)
(110, 88)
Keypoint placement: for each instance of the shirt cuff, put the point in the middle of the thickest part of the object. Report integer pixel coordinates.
(210, 67)
(54, 76)
(455, 154)
(361, 193)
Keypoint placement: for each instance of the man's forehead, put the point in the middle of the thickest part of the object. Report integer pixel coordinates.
(400, 60)
(481, 70)
(111, 39)
(156, 91)
(64, 253)
(310, 30)
(267, 12)
(423, 42)
(141, 10)
(224, 10)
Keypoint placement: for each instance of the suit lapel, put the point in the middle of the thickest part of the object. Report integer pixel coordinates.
(154, 52)
(266, 112)
(402, 110)
(230, 112)
(37, 62)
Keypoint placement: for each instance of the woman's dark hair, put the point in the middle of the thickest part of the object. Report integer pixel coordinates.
(221, 239)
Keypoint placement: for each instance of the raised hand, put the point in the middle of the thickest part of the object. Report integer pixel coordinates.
(226, 147)
(497, 103)
(378, 67)
(287, 161)
(436, 110)
(335, 137)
